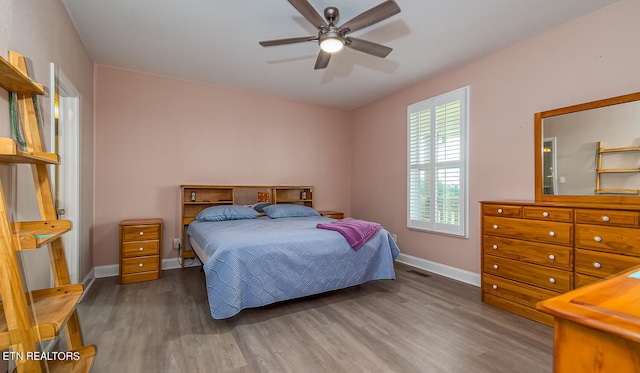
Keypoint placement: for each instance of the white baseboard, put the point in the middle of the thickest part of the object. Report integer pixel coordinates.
(87, 281)
(440, 269)
(112, 270)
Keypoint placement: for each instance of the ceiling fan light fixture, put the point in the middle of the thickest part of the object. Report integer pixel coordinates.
(331, 45)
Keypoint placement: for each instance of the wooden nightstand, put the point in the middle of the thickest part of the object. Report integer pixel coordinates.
(332, 214)
(140, 250)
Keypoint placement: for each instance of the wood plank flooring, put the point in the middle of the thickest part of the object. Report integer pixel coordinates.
(419, 322)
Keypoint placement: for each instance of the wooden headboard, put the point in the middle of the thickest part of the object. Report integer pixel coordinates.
(195, 198)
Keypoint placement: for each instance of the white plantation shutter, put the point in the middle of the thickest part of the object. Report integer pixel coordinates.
(437, 163)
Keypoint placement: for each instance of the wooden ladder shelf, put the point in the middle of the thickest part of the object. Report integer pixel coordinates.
(599, 170)
(27, 318)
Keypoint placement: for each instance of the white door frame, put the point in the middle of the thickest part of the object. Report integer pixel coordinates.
(554, 162)
(69, 126)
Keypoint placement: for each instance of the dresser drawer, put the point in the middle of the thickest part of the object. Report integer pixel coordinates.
(614, 240)
(518, 309)
(509, 211)
(515, 291)
(608, 217)
(581, 280)
(541, 231)
(548, 213)
(139, 248)
(532, 274)
(602, 265)
(140, 232)
(140, 264)
(532, 252)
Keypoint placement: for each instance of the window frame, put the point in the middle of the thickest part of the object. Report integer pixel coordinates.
(431, 225)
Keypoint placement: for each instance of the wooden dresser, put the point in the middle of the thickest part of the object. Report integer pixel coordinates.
(533, 251)
(597, 327)
(140, 250)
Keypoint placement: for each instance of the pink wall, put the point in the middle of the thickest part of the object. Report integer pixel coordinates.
(154, 133)
(591, 58)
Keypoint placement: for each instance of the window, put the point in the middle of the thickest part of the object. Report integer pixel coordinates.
(437, 161)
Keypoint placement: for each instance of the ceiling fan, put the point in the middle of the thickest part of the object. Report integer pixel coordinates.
(331, 38)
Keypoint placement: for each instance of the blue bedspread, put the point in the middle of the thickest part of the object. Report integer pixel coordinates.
(256, 262)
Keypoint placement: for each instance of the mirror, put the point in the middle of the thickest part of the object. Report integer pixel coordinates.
(589, 152)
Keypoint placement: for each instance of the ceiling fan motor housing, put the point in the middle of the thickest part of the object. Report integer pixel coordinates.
(331, 14)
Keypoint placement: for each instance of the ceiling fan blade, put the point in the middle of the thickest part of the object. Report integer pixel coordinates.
(309, 13)
(323, 60)
(269, 43)
(365, 46)
(371, 16)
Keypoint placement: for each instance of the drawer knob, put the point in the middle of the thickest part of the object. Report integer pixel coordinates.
(597, 265)
(142, 233)
(605, 218)
(140, 265)
(552, 234)
(597, 239)
(552, 280)
(545, 214)
(499, 211)
(495, 287)
(141, 249)
(552, 257)
(494, 247)
(495, 266)
(495, 226)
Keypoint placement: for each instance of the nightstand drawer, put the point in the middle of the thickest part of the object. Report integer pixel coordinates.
(141, 264)
(140, 248)
(332, 214)
(140, 232)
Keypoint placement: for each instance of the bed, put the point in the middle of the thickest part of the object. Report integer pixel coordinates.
(253, 262)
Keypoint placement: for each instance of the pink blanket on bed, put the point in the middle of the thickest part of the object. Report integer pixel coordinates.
(357, 232)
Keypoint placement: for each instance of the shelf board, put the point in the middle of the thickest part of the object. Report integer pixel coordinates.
(9, 153)
(618, 191)
(221, 202)
(82, 365)
(34, 234)
(617, 170)
(52, 308)
(617, 150)
(13, 80)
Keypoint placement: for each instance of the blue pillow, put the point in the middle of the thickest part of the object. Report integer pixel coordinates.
(227, 212)
(289, 210)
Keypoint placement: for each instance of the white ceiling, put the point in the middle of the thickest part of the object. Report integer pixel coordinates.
(216, 41)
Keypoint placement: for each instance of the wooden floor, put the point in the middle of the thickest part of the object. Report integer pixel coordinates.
(417, 323)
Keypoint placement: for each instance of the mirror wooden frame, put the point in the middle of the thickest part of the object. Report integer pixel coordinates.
(537, 140)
